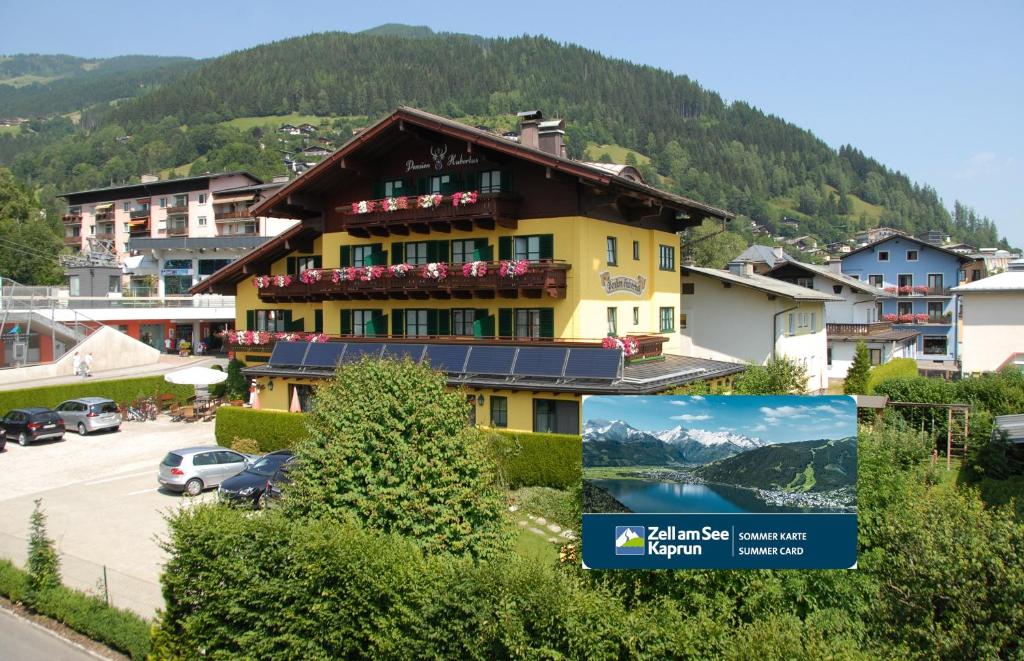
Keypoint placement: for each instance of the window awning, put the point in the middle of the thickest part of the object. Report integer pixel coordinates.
(234, 198)
(135, 223)
(104, 207)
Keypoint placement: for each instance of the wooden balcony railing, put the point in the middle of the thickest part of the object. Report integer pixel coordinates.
(858, 329)
(409, 216)
(917, 290)
(177, 209)
(177, 231)
(228, 216)
(72, 240)
(139, 230)
(72, 218)
(138, 214)
(539, 279)
(104, 236)
(105, 215)
(650, 347)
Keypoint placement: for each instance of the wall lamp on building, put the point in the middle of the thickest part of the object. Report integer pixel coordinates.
(270, 385)
(479, 400)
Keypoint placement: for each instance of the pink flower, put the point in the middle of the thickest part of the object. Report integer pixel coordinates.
(906, 290)
(477, 269)
(920, 289)
(399, 270)
(890, 290)
(921, 318)
(434, 271)
(513, 268)
(890, 317)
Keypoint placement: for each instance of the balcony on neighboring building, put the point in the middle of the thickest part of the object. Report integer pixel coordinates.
(422, 214)
(73, 241)
(880, 331)
(72, 219)
(537, 279)
(231, 216)
(918, 291)
(139, 227)
(105, 216)
(176, 208)
(139, 214)
(920, 319)
(238, 228)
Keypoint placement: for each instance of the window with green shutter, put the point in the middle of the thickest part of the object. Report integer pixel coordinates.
(505, 247)
(483, 323)
(346, 322)
(463, 322)
(532, 248)
(505, 322)
(397, 252)
(250, 320)
(345, 259)
(398, 323)
(318, 321)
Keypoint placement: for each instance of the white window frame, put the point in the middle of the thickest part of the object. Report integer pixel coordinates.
(878, 256)
(917, 253)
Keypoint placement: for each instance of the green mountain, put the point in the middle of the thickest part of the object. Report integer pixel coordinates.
(636, 453)
(683, 137)
(821, 465)
(43, 85)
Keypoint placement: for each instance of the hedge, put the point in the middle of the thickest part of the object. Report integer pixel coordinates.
(527, 459)
(273, 430)
(122, 390)
(119, 629)
(899, 367)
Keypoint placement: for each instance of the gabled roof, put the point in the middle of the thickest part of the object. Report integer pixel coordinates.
(1007, 281)
(405, 114)
(156, 185)
(826, 272)
(765, 254)
(901, 235)
(765, 284)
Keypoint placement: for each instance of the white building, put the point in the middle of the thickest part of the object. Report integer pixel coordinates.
(852, 319)
(993, 321)
(739, 316)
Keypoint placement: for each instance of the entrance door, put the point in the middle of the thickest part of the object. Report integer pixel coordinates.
(153, 335)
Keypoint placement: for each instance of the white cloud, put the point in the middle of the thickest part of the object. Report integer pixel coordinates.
(826, 408)
(759, 428)
(984, 164)
(697, 398)
(678, 402)
(686, 417)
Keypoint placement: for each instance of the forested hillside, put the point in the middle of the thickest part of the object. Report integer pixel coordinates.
(730, 155)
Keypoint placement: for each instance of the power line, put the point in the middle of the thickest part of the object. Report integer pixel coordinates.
(25, 248)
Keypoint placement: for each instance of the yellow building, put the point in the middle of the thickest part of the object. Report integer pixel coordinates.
(499, 260)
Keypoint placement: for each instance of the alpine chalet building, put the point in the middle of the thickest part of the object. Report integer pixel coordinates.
(528, 278)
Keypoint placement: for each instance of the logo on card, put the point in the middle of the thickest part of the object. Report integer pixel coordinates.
(629, 540)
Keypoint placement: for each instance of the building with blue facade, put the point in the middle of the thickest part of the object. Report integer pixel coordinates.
(916, 277)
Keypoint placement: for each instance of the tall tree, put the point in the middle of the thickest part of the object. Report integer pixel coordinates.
(29, 245)
(857, 377)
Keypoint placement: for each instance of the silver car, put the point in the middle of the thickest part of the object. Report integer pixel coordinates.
(89, 414)
(193, 469)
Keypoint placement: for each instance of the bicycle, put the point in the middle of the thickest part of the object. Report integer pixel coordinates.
(137, 412)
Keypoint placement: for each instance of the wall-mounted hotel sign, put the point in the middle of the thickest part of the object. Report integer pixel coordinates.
(621, 283)
(440, 159)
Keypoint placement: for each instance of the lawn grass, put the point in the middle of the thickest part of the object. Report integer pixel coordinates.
(12, 130)
(872, 211)
(555, 505)
(617, 152)
(179, 171)
(533, 547)
(28, 79)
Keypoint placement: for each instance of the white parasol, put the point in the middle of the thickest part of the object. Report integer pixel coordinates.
(200, 377)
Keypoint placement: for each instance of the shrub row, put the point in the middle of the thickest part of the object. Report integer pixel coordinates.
(524, 459)
(272, 430)
(341, 591)
(119, 629)
(527, 459)
(898, 368)
(122, 390)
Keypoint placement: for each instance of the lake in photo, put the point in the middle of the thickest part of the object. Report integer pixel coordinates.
(652, 497)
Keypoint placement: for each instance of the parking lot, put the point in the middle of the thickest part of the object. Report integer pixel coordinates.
(103, 505)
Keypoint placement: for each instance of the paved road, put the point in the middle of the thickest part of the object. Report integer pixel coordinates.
(24, 641)
(102, 503)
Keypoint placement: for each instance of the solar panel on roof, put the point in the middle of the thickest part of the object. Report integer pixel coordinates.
(323, 355)
(356, 351)
(491, 360)
(593, 364)
(401, 351)
(288, 354)
(446, 357)
(540, 361)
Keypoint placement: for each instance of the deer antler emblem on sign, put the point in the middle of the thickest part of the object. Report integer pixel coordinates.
(438, 154)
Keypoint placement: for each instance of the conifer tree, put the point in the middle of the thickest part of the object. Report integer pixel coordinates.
(857, 378)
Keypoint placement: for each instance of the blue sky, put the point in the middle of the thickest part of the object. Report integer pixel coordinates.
(777, 419)
(932, 89)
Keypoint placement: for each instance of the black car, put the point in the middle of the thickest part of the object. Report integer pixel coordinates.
(253, 485)
(33, 424)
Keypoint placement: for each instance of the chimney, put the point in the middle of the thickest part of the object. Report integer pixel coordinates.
(529, 126)
(552, 137)
(149, 178)
(835, 264)
(741, 268)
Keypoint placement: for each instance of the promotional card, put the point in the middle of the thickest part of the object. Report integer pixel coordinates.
(719, 482)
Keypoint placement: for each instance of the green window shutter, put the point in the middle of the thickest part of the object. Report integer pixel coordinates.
(297, 325)
(346, 322)
(397, 252)
(442, 250)
(547, 246)
(290, 265)
(346, 256)
(286, 317)
(505, 247)
(377, 254)
(432, 322)
(398, 323)
(378, 190)
(547, 322)
(318, 262)
(505, 322)
(318, 321)
(444, 322)
(454, 184)
(250, 320)
(483, 323)
(482, 251)
(506, 180)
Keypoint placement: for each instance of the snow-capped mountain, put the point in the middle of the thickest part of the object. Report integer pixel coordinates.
(695, 446)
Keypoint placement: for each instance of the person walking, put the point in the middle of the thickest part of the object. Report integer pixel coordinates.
(77, 364)
(168, 344)
(88, 364)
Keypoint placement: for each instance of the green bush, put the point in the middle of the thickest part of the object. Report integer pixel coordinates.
(857, 376)
(271, 430)
(897, 368)
(43, 564)
(388, 445)
(119, 629)
(245, 446)
(779, 376)
(527, 459)
(123, 390)
(235, 384)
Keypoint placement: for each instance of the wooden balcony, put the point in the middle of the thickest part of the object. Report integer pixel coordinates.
(139, 214)
(540, 278)
(177, 209)
(73, 241)
(231, 216)
(858, 329)
(104, 236)
(142, 229)
(489, 211)
(104, 216)
(72, 218)
(177, 231)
